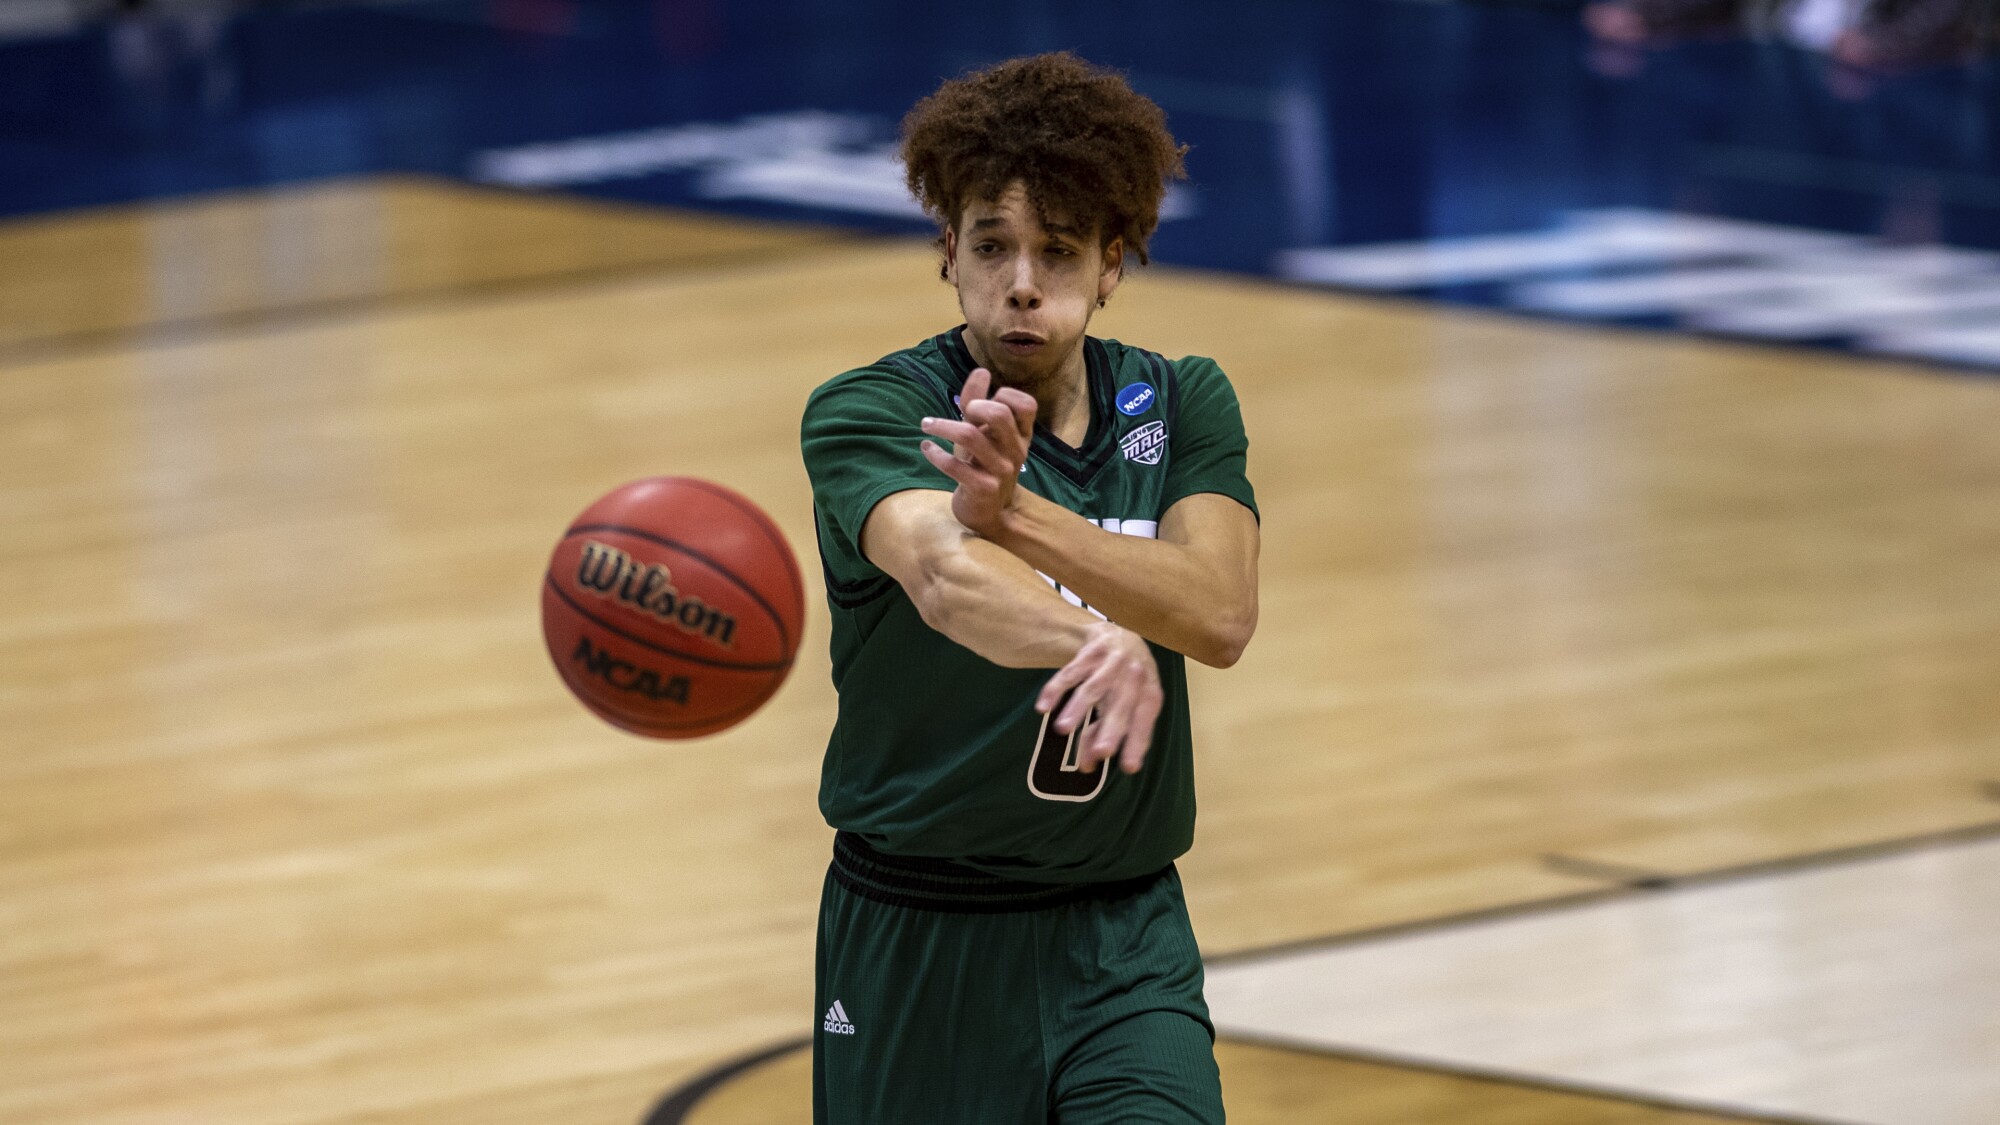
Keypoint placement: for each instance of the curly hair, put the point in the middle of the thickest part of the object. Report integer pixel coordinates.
(1081, 141)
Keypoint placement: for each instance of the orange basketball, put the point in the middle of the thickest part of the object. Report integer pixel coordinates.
(672, 607)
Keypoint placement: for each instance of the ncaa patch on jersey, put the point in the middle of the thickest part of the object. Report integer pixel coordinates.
(1145, 444)
(1136, 399)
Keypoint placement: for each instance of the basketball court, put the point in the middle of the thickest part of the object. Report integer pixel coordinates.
(1620, 743)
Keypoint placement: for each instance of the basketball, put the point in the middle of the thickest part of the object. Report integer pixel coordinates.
(672, 607)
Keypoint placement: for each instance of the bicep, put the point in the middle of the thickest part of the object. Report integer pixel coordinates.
(859, 441)
(1220, 530)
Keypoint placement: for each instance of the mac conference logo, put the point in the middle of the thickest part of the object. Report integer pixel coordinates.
(1145, 444)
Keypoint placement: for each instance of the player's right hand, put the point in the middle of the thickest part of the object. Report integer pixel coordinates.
(1113, 672)
(988, 449)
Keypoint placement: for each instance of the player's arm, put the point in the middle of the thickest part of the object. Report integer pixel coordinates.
(990, 601)
(970, 589)
(1193, 590)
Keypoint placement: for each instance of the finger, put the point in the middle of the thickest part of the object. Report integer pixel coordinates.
(1015, 399)
(1082, 702)
(1124, 710)
(978, 385)
(1066, 677)
(1108, 732)
(1139, 738)
(1000, 426)
(949, 429)
(1024, 407)
(1086, 696)
(1001, 416)
(941, 427)
(1088, 757)
(969, 441)
(950, 465)
(992, 415)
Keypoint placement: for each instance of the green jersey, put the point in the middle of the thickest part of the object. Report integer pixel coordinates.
(938, 751)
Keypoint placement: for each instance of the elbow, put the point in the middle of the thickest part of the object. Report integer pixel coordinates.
(1225, 645)
(1223, 653)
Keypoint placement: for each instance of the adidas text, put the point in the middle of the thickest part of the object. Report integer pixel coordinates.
(836, 1020)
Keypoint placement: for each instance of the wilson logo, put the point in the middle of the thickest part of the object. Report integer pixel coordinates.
(609, 573)
(628, 677)
(1145, 444)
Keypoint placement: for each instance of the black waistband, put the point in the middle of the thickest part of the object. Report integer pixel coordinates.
(940, 884)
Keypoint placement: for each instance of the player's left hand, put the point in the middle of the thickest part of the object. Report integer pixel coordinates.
(1113, 674)
(988, 449)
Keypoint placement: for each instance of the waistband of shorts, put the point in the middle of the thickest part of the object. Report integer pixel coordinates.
(953, 888)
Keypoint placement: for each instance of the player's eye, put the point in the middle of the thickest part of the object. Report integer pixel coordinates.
(985, 248)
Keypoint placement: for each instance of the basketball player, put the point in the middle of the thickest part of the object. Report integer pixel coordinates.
(1002, 936)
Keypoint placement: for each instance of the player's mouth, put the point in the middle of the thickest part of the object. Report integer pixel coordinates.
(1022, 343)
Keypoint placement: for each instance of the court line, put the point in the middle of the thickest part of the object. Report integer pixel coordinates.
(72, 345)
(1635, 877)
(673, 1108)
(1536, 1082)
(1756, 869)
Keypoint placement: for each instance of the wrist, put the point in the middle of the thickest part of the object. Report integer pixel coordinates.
(1014, 523)
(1110, 630)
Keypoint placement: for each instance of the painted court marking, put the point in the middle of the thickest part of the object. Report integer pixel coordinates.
(1867, 991)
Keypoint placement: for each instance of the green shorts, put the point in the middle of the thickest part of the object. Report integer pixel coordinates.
(947, 996)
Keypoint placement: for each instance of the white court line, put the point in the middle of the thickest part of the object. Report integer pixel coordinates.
(1865, 991)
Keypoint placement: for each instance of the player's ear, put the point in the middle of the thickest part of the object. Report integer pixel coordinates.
(951, 255)
(1113, 270)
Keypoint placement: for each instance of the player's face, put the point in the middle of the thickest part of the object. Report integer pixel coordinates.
(1027, 288)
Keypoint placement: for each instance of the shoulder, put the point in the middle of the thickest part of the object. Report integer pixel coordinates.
(1200, 369)
(913, 378)
(1194, 379)
(1129, 362)
(1202, 383)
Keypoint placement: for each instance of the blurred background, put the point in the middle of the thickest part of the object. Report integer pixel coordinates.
(1621, 742)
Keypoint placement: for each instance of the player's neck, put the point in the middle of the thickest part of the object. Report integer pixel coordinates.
(1062, 398)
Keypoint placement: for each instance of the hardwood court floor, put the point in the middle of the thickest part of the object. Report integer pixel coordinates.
(1271, 1086)
(1863, 990)
(298, 826)
(217, 260)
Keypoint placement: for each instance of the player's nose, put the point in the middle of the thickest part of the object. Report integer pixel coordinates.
(1024, 289)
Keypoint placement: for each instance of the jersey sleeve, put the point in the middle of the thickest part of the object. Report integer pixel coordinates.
(1210, 449)
(860, 441)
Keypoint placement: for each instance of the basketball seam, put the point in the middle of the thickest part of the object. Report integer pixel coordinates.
(757, 516)
(784, 634)
(549, 580)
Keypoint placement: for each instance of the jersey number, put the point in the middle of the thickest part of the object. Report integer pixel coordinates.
(1053, 774)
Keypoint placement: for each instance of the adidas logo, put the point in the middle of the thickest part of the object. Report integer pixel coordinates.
(836, 1020)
